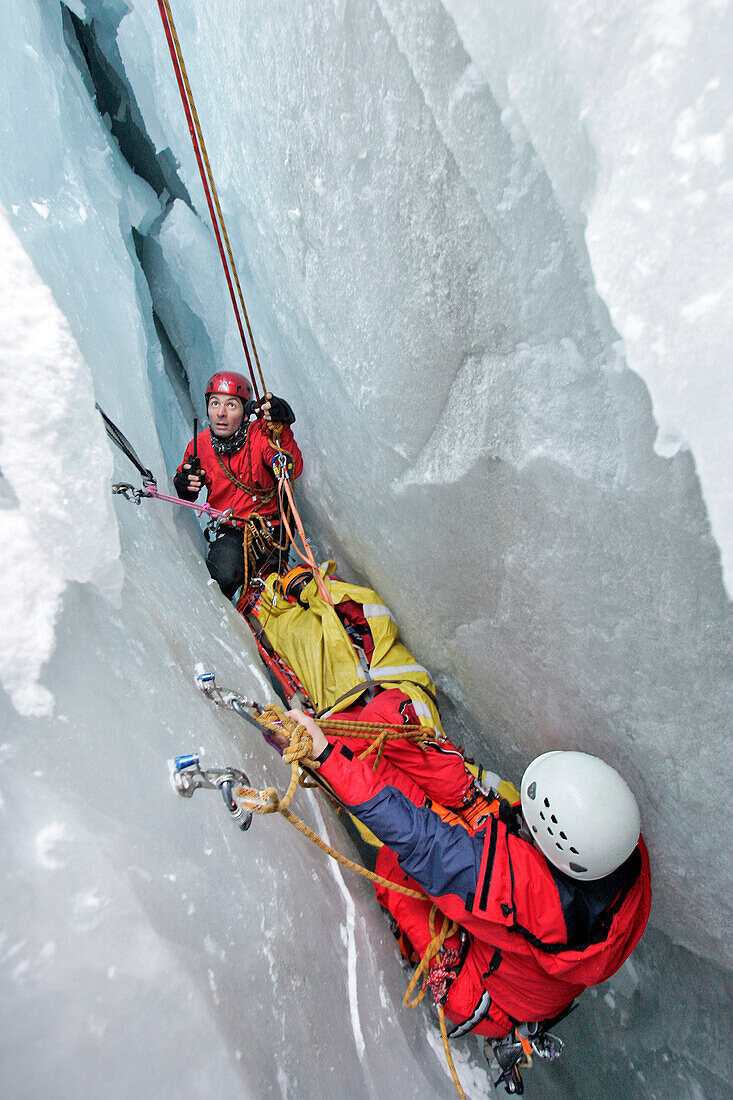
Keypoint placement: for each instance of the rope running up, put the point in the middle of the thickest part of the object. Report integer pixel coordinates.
(306, 555)
(207, 179)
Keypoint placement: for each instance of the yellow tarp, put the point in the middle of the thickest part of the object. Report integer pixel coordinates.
(314, 644)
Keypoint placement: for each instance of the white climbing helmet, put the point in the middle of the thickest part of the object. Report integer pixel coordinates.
(582, 815)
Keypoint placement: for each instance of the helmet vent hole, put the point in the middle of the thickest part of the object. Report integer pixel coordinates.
(573, 850)
(547, 803)
(553, 819)
(562, 834)
(578, 868)
(534, 828)
(559, 845)
(550, 831)
(542, 815)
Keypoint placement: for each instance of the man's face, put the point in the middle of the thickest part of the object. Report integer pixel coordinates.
(225, 414)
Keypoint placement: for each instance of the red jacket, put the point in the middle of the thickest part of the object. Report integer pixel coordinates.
(436, 772)
(536, 938)
(250, 467)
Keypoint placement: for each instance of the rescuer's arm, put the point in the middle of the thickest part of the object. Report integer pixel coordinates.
(277, 439)
(444, 859)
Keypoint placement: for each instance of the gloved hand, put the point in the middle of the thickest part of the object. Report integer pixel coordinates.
(276, 408)
(189, 480)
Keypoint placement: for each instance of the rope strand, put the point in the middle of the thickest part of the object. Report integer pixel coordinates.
(210, 191)
(268, 801)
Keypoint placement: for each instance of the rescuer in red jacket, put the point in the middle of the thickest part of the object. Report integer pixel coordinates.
(237, 461)
(552, 895)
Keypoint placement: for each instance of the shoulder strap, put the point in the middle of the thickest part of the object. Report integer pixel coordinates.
(359, 689)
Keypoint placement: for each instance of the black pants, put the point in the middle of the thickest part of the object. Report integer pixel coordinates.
(225, 559)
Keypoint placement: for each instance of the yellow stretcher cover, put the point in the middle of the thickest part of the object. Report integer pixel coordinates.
(314, 644)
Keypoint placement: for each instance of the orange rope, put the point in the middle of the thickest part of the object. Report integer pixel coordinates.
(307, 556)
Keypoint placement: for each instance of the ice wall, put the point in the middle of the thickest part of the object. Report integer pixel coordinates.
(146, 947)
(630, 109)
(414, 267)
(476, 446)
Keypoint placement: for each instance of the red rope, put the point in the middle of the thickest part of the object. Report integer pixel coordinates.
(165, 15)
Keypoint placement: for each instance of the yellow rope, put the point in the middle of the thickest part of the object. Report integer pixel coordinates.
(448, 1055)
(379, 733)
(447, 928)
(268, 801)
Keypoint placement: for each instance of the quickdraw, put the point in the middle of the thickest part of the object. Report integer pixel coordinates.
(188, 776)
(518, 1050)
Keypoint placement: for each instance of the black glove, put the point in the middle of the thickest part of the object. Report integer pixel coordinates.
(250, 409)
(180, 481)
(280, 410)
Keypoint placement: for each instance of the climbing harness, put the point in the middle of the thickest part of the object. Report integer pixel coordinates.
(261, 537)
(210, 191)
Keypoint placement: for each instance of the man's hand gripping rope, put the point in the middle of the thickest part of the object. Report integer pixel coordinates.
(303, 741)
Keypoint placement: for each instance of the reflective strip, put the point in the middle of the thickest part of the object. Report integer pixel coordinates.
(422, 710)
(376, 611)
(384, 671)
(479, 1013)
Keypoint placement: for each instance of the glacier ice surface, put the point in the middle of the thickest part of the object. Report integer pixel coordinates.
(450, 281)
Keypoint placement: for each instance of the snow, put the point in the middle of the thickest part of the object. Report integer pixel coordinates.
(484, 251)
(55, 525)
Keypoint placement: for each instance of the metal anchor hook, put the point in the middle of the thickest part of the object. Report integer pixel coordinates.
(215, 522)
(129, 492)
(188, 776)
(246, 708)
(280, 467)
(233, 700)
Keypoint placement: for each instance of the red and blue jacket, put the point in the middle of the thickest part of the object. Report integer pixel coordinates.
(536, 938)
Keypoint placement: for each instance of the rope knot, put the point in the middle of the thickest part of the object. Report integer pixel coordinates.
(300, 747)
(443, 974)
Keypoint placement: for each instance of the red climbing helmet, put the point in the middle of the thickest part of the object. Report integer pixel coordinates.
(228, 381)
